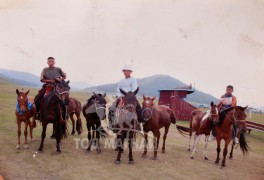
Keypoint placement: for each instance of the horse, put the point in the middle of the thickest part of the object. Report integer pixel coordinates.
(126, 123)
(201, 123)
(25, 111)
(51, 112)
(94, 111)
(224, 130)
(75, 107)
(156, 117)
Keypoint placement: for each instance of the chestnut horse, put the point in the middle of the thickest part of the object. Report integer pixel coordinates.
(156, 117)
(25, 110)
(224, 130)
(75, 107)
(201, 123)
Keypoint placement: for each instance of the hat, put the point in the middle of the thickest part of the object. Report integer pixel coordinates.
(128, 68)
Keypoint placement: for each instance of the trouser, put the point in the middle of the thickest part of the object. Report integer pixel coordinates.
(213, 125)
(39, 97)
(234, 130)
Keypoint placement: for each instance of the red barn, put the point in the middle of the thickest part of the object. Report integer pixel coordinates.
(174, 99)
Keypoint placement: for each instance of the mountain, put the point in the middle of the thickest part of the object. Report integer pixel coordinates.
(150, 86)
(28, 79)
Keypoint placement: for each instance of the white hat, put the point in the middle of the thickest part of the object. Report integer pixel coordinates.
(128, 68)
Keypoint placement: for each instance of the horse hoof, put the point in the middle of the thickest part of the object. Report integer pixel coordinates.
(144, 156)
(99, 152)
(154, 158)
(52, 137)
(223, 165)
(26, 146)
(189, 149)
(192, 157)
(18, 146)
(58, 151)
(40, 150)
(117, 162)
(216, 162)
(72, 133)
(206, 158)
(131, 162)
(230, 157)
(163, 151)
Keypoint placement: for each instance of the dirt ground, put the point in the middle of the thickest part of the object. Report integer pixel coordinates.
(76, 163)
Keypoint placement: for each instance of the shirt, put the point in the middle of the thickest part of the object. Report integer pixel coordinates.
(127, 85)
(227, 101)
(52, 73)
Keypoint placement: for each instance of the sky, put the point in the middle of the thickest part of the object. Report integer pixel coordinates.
(212, 43)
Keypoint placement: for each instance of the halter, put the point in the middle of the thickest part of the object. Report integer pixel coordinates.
(147, 109)
(27, 107)
(125, 108)
(58, 93)
(216, 114)
(97, 108)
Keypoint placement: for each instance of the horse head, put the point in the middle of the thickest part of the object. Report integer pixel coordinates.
(147, 105)
(22, 100)
(130, 100)
(214, 112)
(100, 105)
(62, 90)
(240, 116)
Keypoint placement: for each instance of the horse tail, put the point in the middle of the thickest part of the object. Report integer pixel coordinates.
(243, 144)
(172, 117)
(184, 131)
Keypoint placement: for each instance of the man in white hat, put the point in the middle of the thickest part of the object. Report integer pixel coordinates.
(128, 84)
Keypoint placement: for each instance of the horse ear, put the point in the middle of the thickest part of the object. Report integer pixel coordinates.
(245, 108)
(212, 104)
(153, 99)
(95, 95)
(27, 92)
(68, 82)
(144, 97)
(17, 91)
(104, 95)
(136, 91)
(123, 92)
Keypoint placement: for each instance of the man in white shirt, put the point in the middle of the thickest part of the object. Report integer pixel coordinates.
(128, 84)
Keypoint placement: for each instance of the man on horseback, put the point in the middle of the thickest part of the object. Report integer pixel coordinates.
(128, 84)
(228, 100)
(49, 76)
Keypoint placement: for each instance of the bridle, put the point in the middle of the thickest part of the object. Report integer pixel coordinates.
(216, 114)
(234, 121)
(97, 108)
(147, 109)
(58, 93)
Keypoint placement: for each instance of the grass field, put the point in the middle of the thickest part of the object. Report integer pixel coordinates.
(75, 163)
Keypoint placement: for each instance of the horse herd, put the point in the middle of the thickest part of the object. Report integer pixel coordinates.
(154, 118)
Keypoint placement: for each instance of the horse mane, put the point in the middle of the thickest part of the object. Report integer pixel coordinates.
(223, 115)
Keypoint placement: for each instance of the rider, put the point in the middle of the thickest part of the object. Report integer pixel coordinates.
(128, 84)
(226, 101)
(49, 76)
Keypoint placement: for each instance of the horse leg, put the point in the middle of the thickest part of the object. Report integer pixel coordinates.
(225, 151)
(89, 136)
(232, 149)
(155, 144)
(218, 151)
(18, 133)
(43, 135)
(196, 143)
(79, 124)
(205, 147)
(120, 142)
(164, 138)
(73, 124)
(31, 126)
(158, 139)
(98, 149)
(195, 137)
(26, 134)
(53, 132)
(145, 145)
(58, 136)
(131, 161)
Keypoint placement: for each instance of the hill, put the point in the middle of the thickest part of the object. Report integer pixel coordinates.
(150, 86)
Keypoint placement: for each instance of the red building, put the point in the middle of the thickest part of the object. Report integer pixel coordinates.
(174, 98)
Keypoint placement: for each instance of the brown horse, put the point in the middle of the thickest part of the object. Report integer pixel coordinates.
(156, 117)
(25, 110)
(224, 130)
(201, 123)
(75, 107)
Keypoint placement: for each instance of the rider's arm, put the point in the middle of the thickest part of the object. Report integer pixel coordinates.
(234, 101)
(220, 103)
(118, 93)
(42, 78)
(134, 84)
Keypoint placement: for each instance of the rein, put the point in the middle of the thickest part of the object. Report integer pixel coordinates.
(234, 118)
(147, 109)
(58, 93)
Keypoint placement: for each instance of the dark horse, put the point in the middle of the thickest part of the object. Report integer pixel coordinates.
(156, 117)
(224, 130)
(94, 111)
(51, 112)
(126, 123)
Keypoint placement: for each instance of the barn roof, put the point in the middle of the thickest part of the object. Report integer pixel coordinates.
(187, 89)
